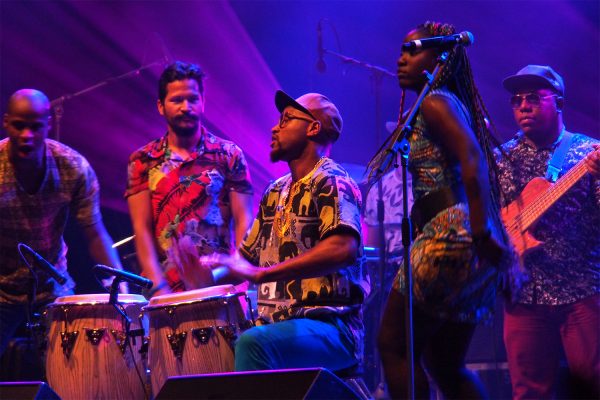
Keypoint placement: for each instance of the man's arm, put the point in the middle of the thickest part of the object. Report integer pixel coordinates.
(241, 210)
(101, 250)
(446, 124)
(100, 245)
(329, 255)
(140, 209)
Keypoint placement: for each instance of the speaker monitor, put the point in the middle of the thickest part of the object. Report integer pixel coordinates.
(26, 391)
(306, 384)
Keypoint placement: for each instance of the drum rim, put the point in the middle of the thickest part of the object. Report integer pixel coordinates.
(191, 301)
(139, 299)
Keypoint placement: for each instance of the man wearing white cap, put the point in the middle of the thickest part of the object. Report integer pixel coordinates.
(305, 250)
(560, 305)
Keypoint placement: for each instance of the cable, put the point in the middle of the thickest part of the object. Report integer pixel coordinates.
(30, 305)
(31, 295)
(127, 337)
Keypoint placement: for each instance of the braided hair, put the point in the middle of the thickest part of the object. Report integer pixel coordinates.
(457, 77)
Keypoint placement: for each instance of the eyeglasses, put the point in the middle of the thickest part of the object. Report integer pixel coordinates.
(285, 118)
(532, 99)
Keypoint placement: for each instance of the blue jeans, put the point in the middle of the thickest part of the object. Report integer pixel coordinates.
(296, 343)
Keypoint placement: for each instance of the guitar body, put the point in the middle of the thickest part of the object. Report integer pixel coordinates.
(535, 199)
(523, 241)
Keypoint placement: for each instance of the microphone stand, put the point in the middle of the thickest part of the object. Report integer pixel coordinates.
(399, 144)
(33, 321)
(113, 299)
(377, 75)
(378, 72)
(58, 103)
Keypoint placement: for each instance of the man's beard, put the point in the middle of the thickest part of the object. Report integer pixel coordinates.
(276, 155)
(184, 131)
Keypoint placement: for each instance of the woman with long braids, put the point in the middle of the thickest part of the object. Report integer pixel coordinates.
(460, 242)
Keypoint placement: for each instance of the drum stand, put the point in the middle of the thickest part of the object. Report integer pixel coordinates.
(113, 299)
(33, 325)
(35, 329)
(28, 344)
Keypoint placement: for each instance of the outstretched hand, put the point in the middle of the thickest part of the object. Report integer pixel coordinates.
(237, 267)
(193, 273)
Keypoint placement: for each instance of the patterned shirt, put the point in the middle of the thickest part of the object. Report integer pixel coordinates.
(38, 220)
(325, 202)
(428, 161)
(190, 198)
(392, 205)
(449, 282)
(566, 267)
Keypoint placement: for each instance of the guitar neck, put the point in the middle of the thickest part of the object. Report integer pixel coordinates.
(537, 208)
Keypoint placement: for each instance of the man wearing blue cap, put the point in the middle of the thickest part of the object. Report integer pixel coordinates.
(560, 304)
(304, 250)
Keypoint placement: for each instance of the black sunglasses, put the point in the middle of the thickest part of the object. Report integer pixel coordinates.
(533, 99)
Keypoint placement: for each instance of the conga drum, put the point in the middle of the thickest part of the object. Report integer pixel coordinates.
(89, 354)
(193, 332)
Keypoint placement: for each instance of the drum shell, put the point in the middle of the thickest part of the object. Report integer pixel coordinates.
(94, 371)
(216, 355)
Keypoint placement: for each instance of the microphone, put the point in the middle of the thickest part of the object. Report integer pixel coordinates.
(321, 67)
(125, 276)
(44, 264)
(463, 39)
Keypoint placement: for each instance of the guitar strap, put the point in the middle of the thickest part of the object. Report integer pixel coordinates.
(556, 162)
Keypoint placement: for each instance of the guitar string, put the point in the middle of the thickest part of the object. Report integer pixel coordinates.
(555, 192)
(533, 211)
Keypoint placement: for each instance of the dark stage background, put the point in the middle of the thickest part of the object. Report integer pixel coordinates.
(251, 48)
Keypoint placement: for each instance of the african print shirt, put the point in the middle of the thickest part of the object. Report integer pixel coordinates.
(428, 162)
(392, 205)
(324, 203)
(190, 197)
(38, 220)
(566, 267)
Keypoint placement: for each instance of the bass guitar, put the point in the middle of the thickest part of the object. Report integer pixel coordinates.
(535, 199)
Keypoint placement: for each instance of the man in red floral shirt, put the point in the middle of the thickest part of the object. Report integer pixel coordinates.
(185, 188)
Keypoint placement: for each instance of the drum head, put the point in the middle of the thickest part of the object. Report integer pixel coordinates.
(96, 298)
(192, 296)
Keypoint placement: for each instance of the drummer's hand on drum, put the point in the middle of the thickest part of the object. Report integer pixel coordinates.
(194, 274)
(238, 268)
(243, 270)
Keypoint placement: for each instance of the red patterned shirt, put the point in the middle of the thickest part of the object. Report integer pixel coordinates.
(190, 197)
(38, 220)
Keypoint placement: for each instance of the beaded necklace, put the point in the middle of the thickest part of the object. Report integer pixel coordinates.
(283, 218)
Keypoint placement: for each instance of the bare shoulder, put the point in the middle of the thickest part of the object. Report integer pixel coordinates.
(437, 107)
